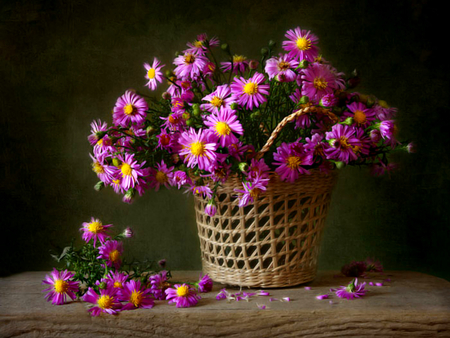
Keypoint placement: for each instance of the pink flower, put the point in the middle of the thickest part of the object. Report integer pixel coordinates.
(154, 74)
(98, 130)
(282, 68)
(205, 284)
(129, 108)
(239, 64)
(225, 124)
(352, 290)
(159, 284)
(342, 142)
(137, 296)
(219, 98)
(319, 80)
(302, 44)
(250, 93)
(210, 209)
(198, 148)
(362, 116)
(130, 170)
(252, 190)
(182, 295)
(112, 252)
(95, 230)
(106, 301)
(290, 159)
(61, 286)
(189, 65)
(162, 175)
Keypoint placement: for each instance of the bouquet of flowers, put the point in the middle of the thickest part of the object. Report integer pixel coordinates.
(214, 118)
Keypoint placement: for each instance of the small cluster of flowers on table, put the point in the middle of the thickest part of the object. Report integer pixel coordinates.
(215, 117)
(97, 277)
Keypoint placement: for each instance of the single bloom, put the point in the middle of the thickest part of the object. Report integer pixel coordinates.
(137, 296)
(130, 170)
(105, 302)
(198, 148)
(95, 230)
(161, 176)
(301, 44)
(210, 209)
(189, 65)
(159, 283)
(219, 98)
(352, 290)
(250, 92)
(362, 115)
(183, 295)
(225, 124)
(239, 64)
(205, 284)
(98, 130)
(154, 74)
(61, 286)
(111, 251)
(290, 160)
(130, 108)
(251, 190)
(281, 68)
(343, 142)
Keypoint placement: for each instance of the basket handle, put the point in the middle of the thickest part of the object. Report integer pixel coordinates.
(289, 118)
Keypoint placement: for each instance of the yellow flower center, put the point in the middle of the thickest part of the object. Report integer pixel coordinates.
(198, 44)
(251, 88)
(173, 120)
(116, 182)
(136, 298)
(105, 302)
(283, 65)
(95, 227)
(189, 58)
(197, 148)
(183, 291)
(320, 83)
(223, 129)
(216, 101)
(118, 285)
(114, 256)
(255, 193)
(161, 177)
(125, 168)
(100, 142)
(239, 58)
(303, 43)
(293, 162)
(97, 168)
(151, 73)
(343, 141)
(129, 109)
(359, 117)
(61, 286)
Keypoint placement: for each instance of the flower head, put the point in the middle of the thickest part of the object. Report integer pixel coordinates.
(159, 283)
(290, 160)
(137, 296)
(250, 92)
(95, 229)
(189, 65)
(319, 80)
(352, 290)
(112, 252)
(239, 64)
(225, 124)
(205, 284)
(105, 302)
(183, 295)
(154, 74)
(61, 286)
(301, 44)
(219, 98)
(282, 68)
(198, 148)
(129, 108)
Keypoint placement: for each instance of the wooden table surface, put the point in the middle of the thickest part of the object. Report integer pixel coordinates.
(411, 304)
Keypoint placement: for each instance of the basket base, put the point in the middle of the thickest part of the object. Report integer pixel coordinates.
(259, 279)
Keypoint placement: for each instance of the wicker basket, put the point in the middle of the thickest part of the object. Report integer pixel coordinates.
(273, 242)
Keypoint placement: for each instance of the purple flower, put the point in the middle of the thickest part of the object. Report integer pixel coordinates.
(352, 290)
(354, 269)
(130, 170)
(342, 142)
(189, 65)
(282, 68)
(301, 44)
(159, 283)
(205, 284)
(137, 296)
(98, 130)
(250, 93)
(154, 74)
(290, 159)
(211, 208)
(198, 148)
(129, 108)
(161, 176)
(362, 116)
(251, 190)
(218, 99)
(61, 286)
(182, 295)
(111, 251)
(106, 301)
(373, 265)
(95, 230)
(319, 80)
(224, 125)
(239, 64)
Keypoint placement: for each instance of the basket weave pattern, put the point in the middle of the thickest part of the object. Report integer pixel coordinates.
(273, 242)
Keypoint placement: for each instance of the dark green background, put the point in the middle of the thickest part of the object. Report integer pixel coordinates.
(64, 63)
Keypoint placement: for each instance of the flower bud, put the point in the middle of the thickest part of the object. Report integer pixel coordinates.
(272, 44)
(168, 73)
(383, 103)
(303, 64)
(166, 96)
(128, 233)
(253, 64)
(243, 166)
(348, 121)
(190, 122)
(264, 51)
(186, 116)
(225, 47)
(150, 130)
(102, 286)
(411, 147)
(234, 106)
(129, 195)
(99, 185)
(339, 164)
(304, 99)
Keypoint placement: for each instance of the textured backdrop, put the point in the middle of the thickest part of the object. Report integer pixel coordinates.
(64, 63)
